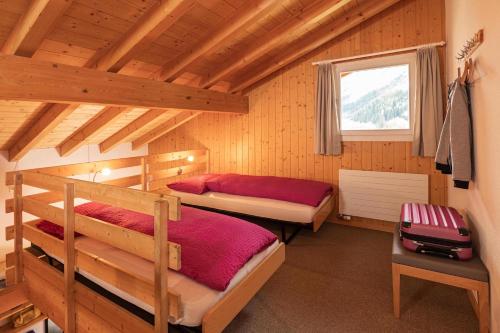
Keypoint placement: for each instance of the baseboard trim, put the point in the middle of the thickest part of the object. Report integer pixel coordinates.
(365, 223)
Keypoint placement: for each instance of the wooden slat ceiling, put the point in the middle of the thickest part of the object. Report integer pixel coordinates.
(89, 28)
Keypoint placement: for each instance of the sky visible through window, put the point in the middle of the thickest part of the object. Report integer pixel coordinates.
(375, 99)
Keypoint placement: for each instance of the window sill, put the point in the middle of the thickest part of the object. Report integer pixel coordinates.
(387, 137)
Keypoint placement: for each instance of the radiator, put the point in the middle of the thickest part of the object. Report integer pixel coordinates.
(379, 195)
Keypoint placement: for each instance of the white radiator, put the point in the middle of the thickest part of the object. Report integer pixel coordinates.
(379, 195)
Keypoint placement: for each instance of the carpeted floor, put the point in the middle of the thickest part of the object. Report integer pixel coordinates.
(339, 280)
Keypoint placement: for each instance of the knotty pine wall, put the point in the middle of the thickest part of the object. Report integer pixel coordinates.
(276, 137)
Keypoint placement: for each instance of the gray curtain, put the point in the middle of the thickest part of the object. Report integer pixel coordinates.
(327, 132)
(429, 103)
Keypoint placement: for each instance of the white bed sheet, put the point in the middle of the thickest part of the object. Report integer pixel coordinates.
(261, 207)
(196, 299)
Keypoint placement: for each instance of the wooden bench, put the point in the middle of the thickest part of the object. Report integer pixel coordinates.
(471, 275)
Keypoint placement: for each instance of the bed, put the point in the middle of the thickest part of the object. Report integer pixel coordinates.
(286, 200)
(195, 299)
(144, 270)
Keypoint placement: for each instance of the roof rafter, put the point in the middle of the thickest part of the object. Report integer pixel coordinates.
(147, 29)
(129, 130)
(38, 20)
(90, 129)
(50, 116)
(323, 35)
(297, 26)
(164, 128)
(247, 15)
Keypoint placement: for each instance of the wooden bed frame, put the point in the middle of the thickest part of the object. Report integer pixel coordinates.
(160, 170)
(72, 305)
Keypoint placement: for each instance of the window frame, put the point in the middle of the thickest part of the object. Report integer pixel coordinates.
(373, 63)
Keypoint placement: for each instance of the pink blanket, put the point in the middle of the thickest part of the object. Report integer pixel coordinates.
(214, 247)
(307, 192)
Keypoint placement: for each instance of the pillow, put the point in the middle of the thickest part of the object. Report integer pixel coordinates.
(195, 185)
(215, 183)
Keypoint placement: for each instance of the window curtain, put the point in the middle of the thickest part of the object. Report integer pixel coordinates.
(429, 103)
(327, 132)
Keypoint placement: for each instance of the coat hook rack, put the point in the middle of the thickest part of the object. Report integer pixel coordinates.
(470, 46)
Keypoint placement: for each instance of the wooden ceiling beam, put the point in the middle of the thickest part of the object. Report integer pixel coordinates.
(246, 16)
(164, 128)
(31, 29)
(296, 27)
(320, 37)
(49, 82)
(147, 29)
(128, 131)
(49, 117)
(90, 129)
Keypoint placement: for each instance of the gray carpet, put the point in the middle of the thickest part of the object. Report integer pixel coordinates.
(339, 280)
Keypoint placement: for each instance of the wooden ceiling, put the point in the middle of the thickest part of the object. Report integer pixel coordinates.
(222, 45)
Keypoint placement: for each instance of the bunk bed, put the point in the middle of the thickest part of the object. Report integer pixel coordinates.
(108, 277)
(161, 173)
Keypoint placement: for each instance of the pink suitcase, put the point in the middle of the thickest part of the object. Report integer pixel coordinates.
(435, 230)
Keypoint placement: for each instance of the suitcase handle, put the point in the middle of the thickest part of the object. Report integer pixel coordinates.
(436, 251)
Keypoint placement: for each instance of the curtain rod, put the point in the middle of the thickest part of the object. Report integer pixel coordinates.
(378, 53)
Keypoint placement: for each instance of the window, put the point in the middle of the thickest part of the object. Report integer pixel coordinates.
(376, 98)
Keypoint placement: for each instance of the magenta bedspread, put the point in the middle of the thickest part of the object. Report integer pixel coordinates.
(302, 191)
(214, 247)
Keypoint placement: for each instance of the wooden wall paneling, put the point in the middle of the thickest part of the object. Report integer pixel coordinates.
(423, 19)
(235, 130)
(399, 157)
(346, 155)
(258, 133)
(272, 128)
(227, 144)
(294, 123)
(377, 156)
(310, 110)
(245, 143)
(277, 136)
(366, 155)
(251, 135)
(410, 23)
(287, 150)
(387, 33)
(302, 119)
(398, 36)
(278, 106)
(264, 141)
(356, 155)
(388, 157)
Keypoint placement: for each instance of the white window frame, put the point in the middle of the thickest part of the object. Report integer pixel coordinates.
(386, 61)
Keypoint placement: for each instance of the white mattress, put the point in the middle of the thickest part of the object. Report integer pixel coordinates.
(196, 299)
(262, 207)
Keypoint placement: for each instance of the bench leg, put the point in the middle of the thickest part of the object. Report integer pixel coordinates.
(396, 286)
(483, 297)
